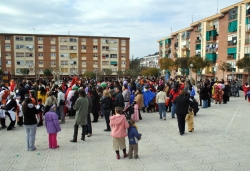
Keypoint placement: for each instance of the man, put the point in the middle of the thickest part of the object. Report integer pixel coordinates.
(22, 91)
(61, 104)
(126, 95)
(119, 99)
(82, 108)
(10, 109)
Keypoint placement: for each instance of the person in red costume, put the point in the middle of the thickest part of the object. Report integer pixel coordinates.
(73, 82)
(12, 85)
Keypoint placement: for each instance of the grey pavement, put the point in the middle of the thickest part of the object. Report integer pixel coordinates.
(220, 142)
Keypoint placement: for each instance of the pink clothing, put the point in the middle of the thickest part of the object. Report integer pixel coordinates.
(135, 116)
(119, 126)
(53, 141)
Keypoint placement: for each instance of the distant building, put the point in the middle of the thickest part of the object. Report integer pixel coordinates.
(150, 61)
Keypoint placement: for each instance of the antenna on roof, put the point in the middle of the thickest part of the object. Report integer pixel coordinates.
(68, 32)
(171, 29)
(217, 6)
(193, 17)
(34, 30)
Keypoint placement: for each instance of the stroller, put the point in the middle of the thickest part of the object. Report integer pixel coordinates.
(128, 111)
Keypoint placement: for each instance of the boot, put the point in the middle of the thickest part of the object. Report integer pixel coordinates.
(143, 109)
(75, 134)
(83, 132)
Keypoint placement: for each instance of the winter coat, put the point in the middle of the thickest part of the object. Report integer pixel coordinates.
(126, 95)
(81, 106)
(204, 93)
(51, 122)
(147, 97)
(51, 100)
(182, 105)
(119, 125)
(139, 100)
(194, 104)
(119, 100)
(106, 103)
(96, 103)
(173, 94)
(30, 115)
(133, 135)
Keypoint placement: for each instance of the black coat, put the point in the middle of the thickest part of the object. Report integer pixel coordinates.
(204, 93)
(119, 100)
(106, 103)
(226, 90)
(96, 103)
(22, 92)
(30, 116)
(182, 104)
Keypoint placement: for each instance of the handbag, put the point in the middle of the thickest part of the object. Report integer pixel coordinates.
(62, 102)
(167, 101)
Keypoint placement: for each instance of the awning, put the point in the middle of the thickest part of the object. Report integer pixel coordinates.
(168, 41)
(231, 50)
(211, 57)
(198, 47)
(232, 26)
(113, 62)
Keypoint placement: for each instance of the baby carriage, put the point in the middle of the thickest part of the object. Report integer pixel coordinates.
(128, 111)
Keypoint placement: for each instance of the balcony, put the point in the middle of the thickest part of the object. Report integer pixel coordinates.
(232, 43)
(247, 41)
(248, 28)
(212, 39)
(167, 45)
(211, 50)
(185, 47)
(168, 51)
(198, 41)
(209, 28)
(230, 57)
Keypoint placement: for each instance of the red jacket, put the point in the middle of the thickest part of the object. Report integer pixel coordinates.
(173, 94)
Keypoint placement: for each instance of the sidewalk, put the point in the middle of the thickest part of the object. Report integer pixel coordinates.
(220, 141)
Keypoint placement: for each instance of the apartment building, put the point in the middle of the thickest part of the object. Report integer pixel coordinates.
(150, 61)
(224, 37)
(65, 54)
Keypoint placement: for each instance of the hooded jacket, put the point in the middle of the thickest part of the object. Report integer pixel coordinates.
(30, 115)
(133, 135)
(119, 125)
(52, 123)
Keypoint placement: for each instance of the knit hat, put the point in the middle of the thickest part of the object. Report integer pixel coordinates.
(75, 88)
(53, 106)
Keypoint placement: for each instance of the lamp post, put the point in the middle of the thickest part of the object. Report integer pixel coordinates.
(96, 74)
(190, 72)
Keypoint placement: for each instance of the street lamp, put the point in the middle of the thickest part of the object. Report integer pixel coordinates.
(190, 72)
(96, 74)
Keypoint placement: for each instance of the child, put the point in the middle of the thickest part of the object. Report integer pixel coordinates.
(119, 125)
(40, 108)
(133, 137)
(52, 125)
(190, 119)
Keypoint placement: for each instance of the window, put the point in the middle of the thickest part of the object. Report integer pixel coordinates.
(52, 39)
(64, 69)
(124, 42)
(83, 70)
(95, 63)
(18, 54)
(53, 47)
(63, 47)
(19, 46)
(40, 62)
(105, 62)
(95, 55)
(64, 55)
(53, 54)
(105, 48)
(40, 54)
(63, 39)
(72, 40)
(104, 56)
(113, 41)
(105, 40)
(19, 38)
(64, 62)
(8, 62)
(40, 39)
(232, 40)
(233, 13)
(72, 47)
(84, 47)
(18, 70)
(83, 62)
(83, 39)
(28, 38)
(123, 49)
(123, 56)
(95, 40)
(114, 69)
(73, 62)
(7, 46)
(53, 63)
(28, 54)
(21, 63)
(123, 62)
(95, 47)
(7, 37)
(113, 55)
(113, 48)
(7, 54)
(40, 46)
(123, 70)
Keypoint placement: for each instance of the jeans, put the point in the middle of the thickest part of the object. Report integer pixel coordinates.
(162, 109)
(173, 109)
(30, 136)
(58, 113)
(88, 126)
(62, 114)
(205, 103)
(106, 114)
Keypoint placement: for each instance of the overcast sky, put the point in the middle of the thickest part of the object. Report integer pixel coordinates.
(144, 21)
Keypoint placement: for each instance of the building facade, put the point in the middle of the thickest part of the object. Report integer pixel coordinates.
(224, 37)
(150, 61)
(65, 54)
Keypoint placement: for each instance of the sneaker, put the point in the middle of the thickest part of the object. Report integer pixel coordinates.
(164, 119)
(125, 155)
(118, 157)
(89, 135)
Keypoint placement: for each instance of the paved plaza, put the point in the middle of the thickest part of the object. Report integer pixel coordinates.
(219, 142)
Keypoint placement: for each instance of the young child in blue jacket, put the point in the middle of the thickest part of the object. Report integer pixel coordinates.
(133, 137)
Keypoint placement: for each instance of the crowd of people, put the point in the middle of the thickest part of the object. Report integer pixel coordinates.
(120, 103)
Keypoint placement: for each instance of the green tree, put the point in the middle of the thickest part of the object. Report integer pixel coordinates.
(224, 66)
(119, 73)
(131, 73)
(1, 72)
(89, 74)
(108, 71)
(47, 72)
(24, 71)
(244, 63)
(150, 72)
(166, 64)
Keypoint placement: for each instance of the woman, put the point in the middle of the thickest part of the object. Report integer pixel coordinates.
(139, 101)
(172, 95)
(73, 101)
(218, 93)
(182, 104)
(161, 101)
(51, 99)
(96, 104)
(42, 94)
(226, 93)
(204, 94)
(30, 123)
(106, 104)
